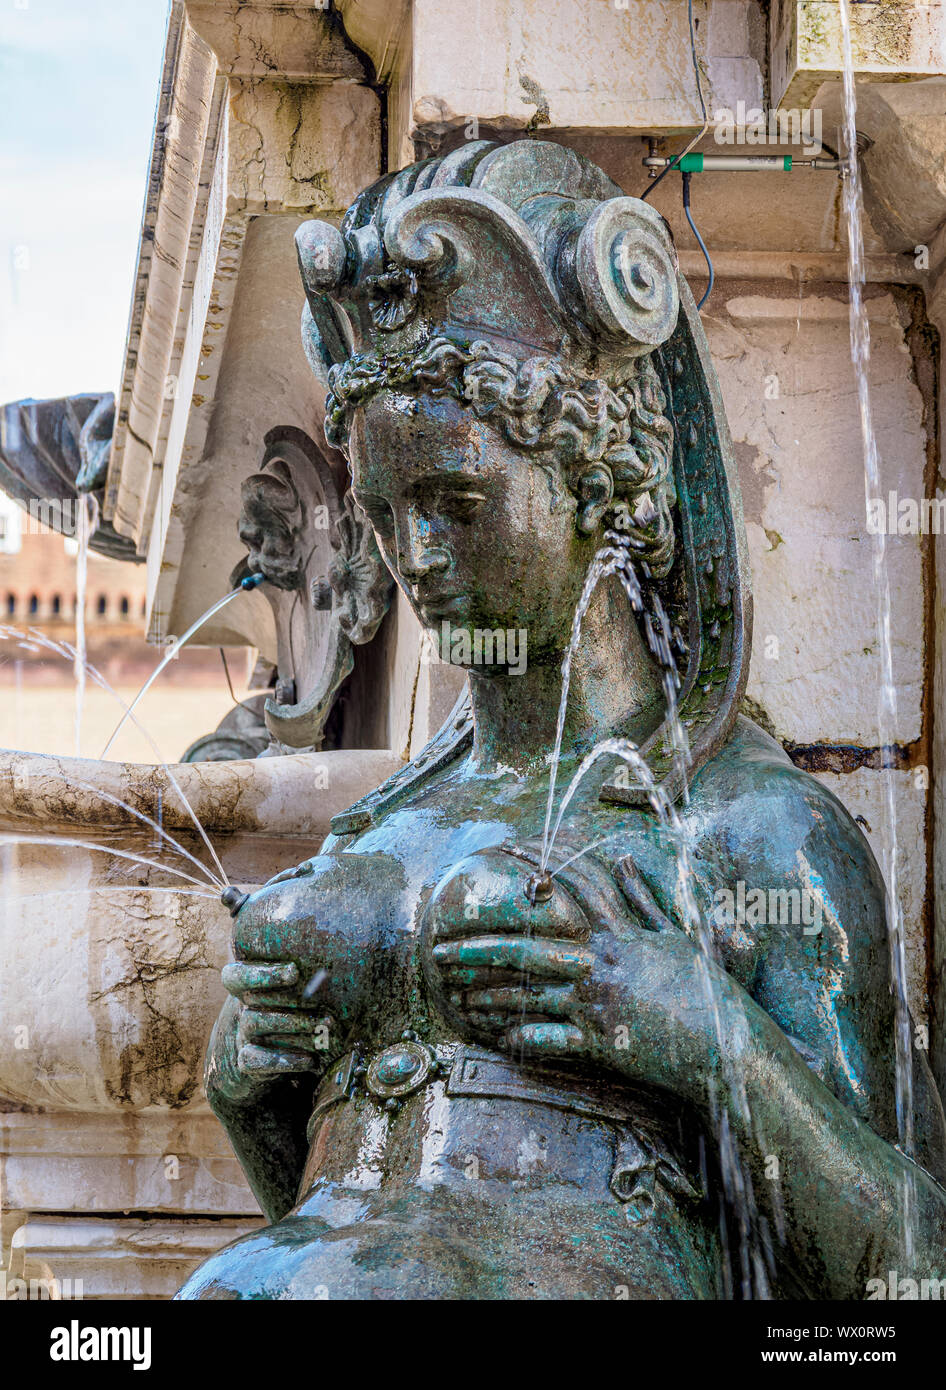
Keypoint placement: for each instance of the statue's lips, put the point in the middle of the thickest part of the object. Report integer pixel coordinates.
(440, 605)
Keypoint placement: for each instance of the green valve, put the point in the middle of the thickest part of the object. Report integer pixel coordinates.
(691, 164)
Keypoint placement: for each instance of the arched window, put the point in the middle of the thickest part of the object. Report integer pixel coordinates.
(34, 605)
(56, 606)
(101, 605)
(124, 606)
(11, 605)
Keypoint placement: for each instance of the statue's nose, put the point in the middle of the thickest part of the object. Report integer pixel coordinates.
(417, 554)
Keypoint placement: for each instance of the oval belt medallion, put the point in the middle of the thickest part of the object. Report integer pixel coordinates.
(401, 1069)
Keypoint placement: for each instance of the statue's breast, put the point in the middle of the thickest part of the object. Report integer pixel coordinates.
(354, 912)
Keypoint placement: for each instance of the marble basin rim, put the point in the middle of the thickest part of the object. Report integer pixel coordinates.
(109, 972)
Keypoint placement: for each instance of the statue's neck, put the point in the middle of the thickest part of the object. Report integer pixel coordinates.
(615, 691)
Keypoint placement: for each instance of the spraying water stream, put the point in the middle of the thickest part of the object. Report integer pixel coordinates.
(615, 558)
(34, 640)
(87, 520)
(887, 691)
(26, 838)
(174, 648)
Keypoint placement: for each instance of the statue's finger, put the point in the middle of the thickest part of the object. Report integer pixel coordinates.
(525, 955)
(639, 896)
(490, 1023)
(264, 1061)
(522, 999)
(240, 976)
(551, 919)
(489, 893)
(273, 999)
(545, 1037)
(295, 1042)
(291, 1029)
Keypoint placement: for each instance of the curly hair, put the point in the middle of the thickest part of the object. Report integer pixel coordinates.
(544, 405)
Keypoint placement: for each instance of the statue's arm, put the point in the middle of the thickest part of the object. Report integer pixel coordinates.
(648, 1005)
(265, 1117)
(295, 985)
(841, 1190)
(799, 1053)
(823, 971)
(644, 1002)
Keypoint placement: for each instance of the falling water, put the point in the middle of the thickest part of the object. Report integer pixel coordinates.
(86, 522)
(607, 561)
(660, 641)
(162, 834)
(172, 651)
(887, 693)
(72, 893)
(629, 752)
(34, 640)
(615, 559)
(26, 838)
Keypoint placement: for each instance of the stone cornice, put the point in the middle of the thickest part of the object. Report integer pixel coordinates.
(174, 193)
(266, 39)
(264, 111)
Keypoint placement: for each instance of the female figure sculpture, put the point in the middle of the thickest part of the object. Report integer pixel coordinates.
(447, 1076)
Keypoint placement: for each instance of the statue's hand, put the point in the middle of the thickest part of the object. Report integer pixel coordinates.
(300, 944)
(276, 1034)
(576, 976)
(508, 970)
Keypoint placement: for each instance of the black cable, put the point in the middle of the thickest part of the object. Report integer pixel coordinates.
(702, 244)
(662, 175)
(226, 672)
(699, 87)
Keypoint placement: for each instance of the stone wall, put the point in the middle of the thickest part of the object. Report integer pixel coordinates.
(783, 359)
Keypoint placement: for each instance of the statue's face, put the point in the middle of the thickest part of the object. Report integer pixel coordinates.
(475, 531)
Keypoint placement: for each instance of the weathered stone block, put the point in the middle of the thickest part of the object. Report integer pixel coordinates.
(785, 369)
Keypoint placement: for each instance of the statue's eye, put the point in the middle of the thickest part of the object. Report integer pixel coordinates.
(378, 513)
(461, 506)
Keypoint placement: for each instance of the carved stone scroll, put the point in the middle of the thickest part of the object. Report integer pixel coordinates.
(328, 587)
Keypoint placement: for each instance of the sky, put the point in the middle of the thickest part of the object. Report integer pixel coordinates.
(78, 89)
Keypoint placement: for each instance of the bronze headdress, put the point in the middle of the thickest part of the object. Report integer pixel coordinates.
(529, 254)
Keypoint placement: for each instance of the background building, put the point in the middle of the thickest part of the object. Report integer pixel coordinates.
(37, 686)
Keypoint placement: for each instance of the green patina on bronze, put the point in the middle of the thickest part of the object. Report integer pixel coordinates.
(440, 1083)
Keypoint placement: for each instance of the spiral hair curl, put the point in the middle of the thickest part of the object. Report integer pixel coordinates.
(541, 404)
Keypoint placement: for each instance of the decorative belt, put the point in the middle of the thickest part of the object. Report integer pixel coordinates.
(404, 1068)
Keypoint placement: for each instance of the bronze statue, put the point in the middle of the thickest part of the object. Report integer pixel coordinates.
(446, 1073)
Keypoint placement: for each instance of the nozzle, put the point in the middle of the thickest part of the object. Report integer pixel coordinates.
(539, 888)
(233, 899)
(252, 581)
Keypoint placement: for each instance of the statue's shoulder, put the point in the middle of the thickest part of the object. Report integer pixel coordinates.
(800, 916)
(762, 811)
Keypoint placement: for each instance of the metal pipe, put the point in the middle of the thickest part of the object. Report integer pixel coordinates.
(698, 163)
